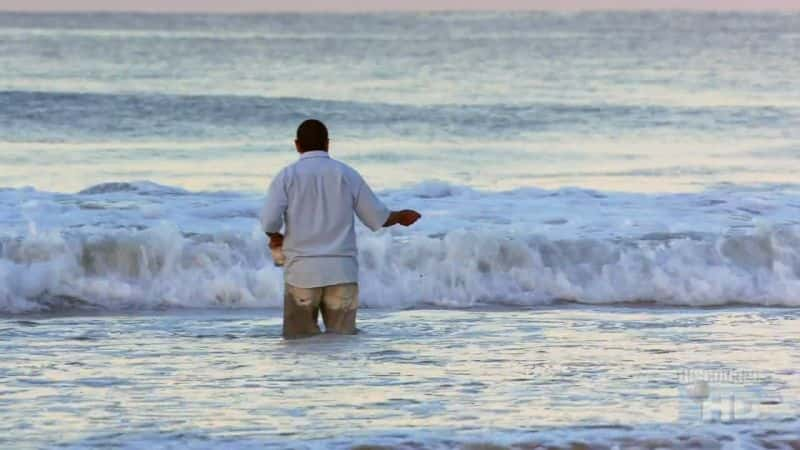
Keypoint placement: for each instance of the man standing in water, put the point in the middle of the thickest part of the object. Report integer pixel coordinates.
(314, 200)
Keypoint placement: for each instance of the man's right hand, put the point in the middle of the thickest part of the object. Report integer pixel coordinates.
(276, 248)
(275, 240)
(406, 218)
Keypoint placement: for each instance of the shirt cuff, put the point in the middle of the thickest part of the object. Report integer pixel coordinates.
(381, 217)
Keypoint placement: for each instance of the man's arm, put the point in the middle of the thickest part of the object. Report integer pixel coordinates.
(406, 218)
(274, 208)
(374, 214)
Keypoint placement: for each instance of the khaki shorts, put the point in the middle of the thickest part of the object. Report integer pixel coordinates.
(301, 306)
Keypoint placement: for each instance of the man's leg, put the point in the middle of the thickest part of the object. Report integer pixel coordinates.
(300, 310)
(339, 306)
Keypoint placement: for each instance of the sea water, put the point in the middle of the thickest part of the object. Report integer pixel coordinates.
(609, 251)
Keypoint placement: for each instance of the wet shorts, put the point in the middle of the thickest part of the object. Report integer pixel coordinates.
(301, 306)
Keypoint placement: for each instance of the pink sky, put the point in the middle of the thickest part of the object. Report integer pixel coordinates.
(381, 5)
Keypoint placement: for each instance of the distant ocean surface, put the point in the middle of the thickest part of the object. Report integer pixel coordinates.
(588, 181)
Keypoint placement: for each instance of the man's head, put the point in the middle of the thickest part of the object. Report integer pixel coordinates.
(311, 135)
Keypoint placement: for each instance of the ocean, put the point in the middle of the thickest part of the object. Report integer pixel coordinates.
(609, 254)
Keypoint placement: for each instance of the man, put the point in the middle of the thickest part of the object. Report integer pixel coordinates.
(314, 200)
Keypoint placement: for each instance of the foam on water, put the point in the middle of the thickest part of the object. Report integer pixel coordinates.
(667, 437)
(140, 245)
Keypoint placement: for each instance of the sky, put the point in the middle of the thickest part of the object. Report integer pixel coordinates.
(384, 5)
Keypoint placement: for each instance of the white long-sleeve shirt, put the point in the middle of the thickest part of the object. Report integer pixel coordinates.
(315, 200)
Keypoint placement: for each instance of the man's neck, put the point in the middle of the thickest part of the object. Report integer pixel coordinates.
(314, 153)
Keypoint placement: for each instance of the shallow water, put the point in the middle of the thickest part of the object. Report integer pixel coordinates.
(214, 377)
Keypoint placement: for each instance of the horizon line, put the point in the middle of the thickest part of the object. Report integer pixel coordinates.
(396, 11)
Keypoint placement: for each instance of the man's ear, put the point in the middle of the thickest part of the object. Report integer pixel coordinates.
(297, 146)
(327, 144)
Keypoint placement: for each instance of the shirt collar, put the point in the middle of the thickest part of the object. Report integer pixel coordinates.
(314, 154)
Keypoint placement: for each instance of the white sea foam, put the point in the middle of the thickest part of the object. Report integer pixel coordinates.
(141, 246)
(669, 436)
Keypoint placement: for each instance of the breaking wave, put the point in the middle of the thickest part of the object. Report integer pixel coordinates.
(141, 245)
(162, 267)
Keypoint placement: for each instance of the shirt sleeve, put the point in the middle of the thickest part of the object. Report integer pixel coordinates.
(275, 205)
(369, 209)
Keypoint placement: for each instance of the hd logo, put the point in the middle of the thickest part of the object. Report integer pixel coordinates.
(703, 401)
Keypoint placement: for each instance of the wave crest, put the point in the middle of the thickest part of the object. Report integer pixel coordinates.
(138, 187)
(163, 268)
